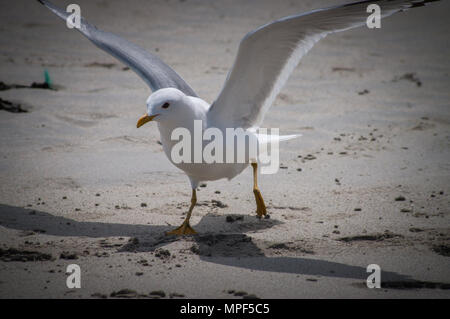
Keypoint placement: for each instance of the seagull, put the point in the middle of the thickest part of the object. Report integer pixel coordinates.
(265, 59)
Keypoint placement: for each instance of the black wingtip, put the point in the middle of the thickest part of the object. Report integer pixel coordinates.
(41, 2)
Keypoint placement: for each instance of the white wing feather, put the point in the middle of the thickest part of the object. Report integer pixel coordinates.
(268, 55)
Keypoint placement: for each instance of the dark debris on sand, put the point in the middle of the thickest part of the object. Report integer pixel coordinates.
(124, 293)
(371, 237)
(100, 65)
(11, 107)
(67, 255)
(290, 246)
(411, 77)
(34, 85)
(13, 254)
(162, 253)
(414, 285)
(242, 294)
(129, 293)
(158, 293)
(442, 249)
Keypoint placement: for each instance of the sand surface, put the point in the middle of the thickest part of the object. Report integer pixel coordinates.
(79, 181)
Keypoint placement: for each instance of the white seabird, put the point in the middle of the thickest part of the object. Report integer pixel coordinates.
(265, 59)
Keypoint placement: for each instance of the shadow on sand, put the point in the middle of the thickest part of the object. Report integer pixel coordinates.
(231, 246)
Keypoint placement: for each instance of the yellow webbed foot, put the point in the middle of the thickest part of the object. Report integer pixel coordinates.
(260, 206)
(184, 229)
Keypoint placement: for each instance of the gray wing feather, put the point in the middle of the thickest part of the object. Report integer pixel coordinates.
(149, 67)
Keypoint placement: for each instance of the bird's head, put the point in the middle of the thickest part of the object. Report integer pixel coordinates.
(163, 106)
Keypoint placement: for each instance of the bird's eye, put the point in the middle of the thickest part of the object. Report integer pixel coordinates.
(165, 105)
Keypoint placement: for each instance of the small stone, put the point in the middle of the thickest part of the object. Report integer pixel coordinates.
(162, 253)
(365, 91)
(233, 218)
(218, 203)
(240, 293)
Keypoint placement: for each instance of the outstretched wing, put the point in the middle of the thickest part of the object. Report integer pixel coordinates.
(268, 55)
(149, 67)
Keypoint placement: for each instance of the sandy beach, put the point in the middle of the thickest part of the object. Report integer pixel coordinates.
(368, 182)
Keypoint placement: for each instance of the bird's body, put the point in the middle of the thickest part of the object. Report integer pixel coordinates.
(193, 108)
(264, 61)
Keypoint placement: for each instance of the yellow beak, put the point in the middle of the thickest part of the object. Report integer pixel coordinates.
(146, 118)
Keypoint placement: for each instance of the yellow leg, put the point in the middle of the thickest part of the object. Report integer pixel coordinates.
(185, 228)
(260, 206)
